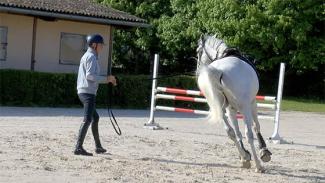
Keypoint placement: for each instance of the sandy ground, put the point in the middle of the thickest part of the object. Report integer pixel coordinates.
(36, 145)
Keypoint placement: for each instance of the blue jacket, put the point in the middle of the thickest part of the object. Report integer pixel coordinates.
(88, 74)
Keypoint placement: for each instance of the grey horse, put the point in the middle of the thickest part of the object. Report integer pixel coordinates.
(230, 85)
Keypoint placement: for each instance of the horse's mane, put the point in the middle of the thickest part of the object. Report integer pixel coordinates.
(212, 41)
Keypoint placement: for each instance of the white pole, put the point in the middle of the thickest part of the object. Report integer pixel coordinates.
(275, 136)
(151, 123)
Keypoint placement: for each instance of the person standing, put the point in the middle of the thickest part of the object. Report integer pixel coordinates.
(87, 86)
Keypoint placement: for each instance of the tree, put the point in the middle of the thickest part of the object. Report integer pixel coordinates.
(134, 49)
(272, 31)
(178, 34)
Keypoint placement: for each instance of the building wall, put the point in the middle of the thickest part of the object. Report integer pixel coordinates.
(20, 29)
(48, 37)
(48, 44)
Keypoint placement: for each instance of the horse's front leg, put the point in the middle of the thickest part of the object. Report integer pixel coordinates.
(265, 154)
(245, 155)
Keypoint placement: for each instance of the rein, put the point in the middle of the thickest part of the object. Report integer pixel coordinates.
(110, 112)
(190, 73)
(207, 53)
(110, 98)
(172, 75)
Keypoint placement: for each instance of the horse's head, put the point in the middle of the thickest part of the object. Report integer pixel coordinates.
(209, 49)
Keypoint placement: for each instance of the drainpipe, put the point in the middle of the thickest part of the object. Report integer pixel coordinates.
(110, 50)
(32, 63)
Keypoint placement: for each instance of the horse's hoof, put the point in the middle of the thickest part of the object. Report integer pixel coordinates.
(248, 156)
(260, 170)
(265, 155)
(246, 164)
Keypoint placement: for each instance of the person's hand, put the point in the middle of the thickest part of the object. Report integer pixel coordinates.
(111, 79)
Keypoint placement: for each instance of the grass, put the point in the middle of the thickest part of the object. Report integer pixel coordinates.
(302, 105)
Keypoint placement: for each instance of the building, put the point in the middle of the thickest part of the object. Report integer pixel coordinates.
(50, 35)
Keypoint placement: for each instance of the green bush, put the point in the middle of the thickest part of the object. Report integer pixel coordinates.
(26, 88)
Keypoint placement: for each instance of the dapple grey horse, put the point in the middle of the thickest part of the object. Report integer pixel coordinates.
(230, 85)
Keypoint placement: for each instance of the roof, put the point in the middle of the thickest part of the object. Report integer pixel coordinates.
(82, 10)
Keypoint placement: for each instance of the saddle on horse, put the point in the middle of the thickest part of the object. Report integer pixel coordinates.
(234, 52)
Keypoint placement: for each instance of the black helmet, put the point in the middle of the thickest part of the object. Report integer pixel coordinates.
(95, 38)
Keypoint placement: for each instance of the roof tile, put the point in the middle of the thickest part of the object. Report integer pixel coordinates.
(75, 7)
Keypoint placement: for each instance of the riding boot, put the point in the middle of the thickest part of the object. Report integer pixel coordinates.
(94, 127)
(81, 137)
(100, 150)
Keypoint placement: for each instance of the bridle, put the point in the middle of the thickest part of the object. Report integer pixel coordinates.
(203, 49)
(207, 53)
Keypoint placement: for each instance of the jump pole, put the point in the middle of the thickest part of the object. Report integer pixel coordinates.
(151, 123)
(275, 138)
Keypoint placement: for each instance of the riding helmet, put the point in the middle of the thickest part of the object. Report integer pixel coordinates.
(94, 38)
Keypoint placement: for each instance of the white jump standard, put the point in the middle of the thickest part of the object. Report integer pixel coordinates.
(165, 93)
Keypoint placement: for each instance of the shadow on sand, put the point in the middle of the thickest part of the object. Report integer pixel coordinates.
(277, 170)
(188, 163)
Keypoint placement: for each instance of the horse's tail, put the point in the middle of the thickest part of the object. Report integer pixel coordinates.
(209, 84)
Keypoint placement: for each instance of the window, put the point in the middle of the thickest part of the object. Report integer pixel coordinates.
(73, 46)
(3, 43)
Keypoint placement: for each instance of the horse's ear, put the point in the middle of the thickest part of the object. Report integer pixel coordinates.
(201, 37)
(215, 35)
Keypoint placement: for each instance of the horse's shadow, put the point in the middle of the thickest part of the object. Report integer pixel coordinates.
(287, 173)
(223, 165)
(273, 171)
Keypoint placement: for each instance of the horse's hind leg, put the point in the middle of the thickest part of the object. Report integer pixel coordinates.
(245, 155)
(250, 137)
(265, 154)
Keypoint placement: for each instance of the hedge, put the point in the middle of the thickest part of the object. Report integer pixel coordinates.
(27, 88)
